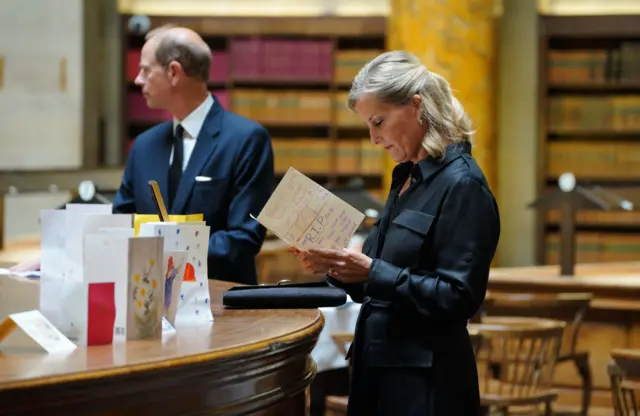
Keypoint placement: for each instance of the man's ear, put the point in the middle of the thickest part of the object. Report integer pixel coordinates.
(174, 71)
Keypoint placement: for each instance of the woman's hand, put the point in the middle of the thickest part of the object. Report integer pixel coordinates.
(347, 266)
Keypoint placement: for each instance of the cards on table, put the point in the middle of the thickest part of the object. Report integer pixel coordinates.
(193, 238)
(38, 329)
(306, 215)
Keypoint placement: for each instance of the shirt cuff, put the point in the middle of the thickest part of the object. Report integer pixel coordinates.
(382, 280)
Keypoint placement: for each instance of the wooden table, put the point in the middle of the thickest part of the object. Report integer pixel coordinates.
(613, 320)
(245, 362)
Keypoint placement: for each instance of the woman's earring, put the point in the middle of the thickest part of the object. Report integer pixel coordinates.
(420, 120)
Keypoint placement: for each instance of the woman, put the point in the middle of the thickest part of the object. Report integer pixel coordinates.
(423, 270)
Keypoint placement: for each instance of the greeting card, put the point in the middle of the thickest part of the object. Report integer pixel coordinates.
(134, 265)
(194, 305)
(38, 330)
(306, 215)
(174, 266)
(88, 312)
(146, 288)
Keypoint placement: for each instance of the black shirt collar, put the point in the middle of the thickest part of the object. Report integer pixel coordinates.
(429, 165)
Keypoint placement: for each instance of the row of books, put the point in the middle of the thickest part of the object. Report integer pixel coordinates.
(596, 247)
(586, 113)
(294, 107)
(607, 160)
(597, 66)
(600, 218)
(320, 156)
(277, 60)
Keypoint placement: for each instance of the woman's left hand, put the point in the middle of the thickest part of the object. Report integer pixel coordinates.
(347, 266)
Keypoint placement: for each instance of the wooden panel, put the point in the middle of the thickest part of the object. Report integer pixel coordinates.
(245, 362)
(456, 39)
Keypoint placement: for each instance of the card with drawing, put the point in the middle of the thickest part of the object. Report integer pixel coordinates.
(174, 265)
(306, 215)
(194, 305)
(146, 288)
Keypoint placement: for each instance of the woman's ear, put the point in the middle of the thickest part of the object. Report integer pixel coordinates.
(416, 102)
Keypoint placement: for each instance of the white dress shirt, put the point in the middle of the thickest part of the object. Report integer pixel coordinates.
(192, 124)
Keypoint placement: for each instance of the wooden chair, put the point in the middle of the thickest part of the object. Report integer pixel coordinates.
(568, 307)
(624, 374)
(524, 350)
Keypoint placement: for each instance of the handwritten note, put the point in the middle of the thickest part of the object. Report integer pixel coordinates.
(306, 215)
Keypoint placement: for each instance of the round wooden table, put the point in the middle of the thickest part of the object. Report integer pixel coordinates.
(245, 362)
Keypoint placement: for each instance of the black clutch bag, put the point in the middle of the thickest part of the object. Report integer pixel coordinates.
(284, 296)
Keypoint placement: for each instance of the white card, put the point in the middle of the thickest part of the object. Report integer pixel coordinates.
(41, 331)
(146, 288)
(75, 227)
(306, 215)
(53, 261)
(193, 238)
(174, 266)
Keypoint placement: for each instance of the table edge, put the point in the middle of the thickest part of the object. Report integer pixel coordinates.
(308, 331)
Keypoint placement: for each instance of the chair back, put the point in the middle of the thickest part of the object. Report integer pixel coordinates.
(567, 307)
(624, 374)
(524, 350)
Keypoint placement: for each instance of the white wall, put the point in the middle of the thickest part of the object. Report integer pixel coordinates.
(41, 89)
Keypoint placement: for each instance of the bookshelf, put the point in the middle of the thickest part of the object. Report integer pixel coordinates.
(290, 74)
(589, 104)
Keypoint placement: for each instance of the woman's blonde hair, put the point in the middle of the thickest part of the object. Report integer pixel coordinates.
(395, 77)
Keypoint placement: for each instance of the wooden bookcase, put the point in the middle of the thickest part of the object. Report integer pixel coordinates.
(291, 75)
(589, 103)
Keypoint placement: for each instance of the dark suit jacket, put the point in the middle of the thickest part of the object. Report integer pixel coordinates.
(432, 250)
(236, 154)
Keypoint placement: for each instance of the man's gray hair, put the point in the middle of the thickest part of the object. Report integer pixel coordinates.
(395, 77)
(194, 58)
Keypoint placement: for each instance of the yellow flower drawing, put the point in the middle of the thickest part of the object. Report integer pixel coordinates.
(142, 292)
(151, 262)
(136, 278)
(154, 284)
(139, 304)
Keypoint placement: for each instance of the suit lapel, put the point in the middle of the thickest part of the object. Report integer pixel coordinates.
(159, 171)
(204, 148)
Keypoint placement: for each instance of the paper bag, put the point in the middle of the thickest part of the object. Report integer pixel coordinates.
(193, 238)
(140, 219)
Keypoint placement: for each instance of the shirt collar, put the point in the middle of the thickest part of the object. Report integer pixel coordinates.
(192, 124)
(429, 165)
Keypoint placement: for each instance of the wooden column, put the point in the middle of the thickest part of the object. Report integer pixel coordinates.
(456, 39)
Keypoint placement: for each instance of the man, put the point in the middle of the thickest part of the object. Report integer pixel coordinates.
(206, 160)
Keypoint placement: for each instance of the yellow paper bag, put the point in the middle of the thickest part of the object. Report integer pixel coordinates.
(139, 219)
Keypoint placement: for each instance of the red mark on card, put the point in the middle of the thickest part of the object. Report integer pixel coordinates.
(189, 273)
(102, 313)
